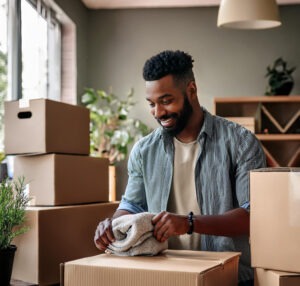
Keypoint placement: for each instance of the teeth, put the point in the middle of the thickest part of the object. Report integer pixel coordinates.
(166, 122)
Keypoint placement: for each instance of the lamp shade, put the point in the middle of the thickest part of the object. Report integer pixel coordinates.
(248, 14)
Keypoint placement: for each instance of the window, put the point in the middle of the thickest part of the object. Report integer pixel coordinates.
(38, 30)
(3, 64)
(41, 41)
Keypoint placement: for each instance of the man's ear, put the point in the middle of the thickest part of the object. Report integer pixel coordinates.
(192, 89)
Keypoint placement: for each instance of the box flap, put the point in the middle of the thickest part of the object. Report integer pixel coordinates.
(286, 274)
(169, 261)
(221, 257)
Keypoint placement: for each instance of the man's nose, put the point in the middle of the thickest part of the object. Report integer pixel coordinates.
(159, 111)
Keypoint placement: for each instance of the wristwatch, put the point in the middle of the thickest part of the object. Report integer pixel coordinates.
(191, 223)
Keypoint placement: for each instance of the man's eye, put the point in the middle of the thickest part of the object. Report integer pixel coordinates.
(165, 102)
(151, 105)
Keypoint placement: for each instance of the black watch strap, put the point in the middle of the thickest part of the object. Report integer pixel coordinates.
(191, 223)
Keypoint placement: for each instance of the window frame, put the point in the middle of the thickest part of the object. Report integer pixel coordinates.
(65, 57)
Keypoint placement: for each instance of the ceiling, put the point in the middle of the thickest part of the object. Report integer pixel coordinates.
(119, 4)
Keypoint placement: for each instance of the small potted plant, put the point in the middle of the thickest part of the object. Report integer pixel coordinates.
(112, 131)
(280, 77)
(13, 202)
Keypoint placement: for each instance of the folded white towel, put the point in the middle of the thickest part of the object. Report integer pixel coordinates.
(134, 236)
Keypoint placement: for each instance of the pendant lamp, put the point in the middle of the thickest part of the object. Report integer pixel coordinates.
(248, 14)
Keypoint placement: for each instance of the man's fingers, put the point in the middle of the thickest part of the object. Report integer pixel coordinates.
(109, 232)
(157, 217)
(160, 231)
(103, 235)
(162, 234)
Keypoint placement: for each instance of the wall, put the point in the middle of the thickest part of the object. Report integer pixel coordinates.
(227, 62)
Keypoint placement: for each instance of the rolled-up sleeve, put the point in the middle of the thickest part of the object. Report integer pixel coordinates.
(134, 199)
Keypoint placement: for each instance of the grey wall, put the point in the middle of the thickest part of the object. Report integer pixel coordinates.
(227, 62)
(114, 44)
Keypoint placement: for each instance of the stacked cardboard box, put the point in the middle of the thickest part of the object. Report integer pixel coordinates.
(69, 189)
(275, 225)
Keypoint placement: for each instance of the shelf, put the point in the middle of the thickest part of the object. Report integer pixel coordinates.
(276, 124)
(257, 99)
(278, 137)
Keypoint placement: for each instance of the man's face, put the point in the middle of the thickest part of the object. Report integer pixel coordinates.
(169, 104)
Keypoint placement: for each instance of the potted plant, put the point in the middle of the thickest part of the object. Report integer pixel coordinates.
(280, 77)
(112, 131)
(13, 202)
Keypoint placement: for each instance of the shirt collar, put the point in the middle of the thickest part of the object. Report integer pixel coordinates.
(207, 126)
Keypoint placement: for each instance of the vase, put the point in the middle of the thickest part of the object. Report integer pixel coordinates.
(281, 85)
(6, 264)
(285, 88)
(3, 171)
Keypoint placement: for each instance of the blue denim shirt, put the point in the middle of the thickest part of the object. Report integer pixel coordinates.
(227, 153)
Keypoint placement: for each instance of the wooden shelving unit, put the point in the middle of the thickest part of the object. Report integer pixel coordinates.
(276, 124)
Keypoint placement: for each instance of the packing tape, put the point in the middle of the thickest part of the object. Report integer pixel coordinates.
(294, 197)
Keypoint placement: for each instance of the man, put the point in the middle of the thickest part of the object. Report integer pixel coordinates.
(192, 171)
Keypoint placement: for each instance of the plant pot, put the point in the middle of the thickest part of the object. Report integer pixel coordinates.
(6, 264)
(284, 89)
(3, 171)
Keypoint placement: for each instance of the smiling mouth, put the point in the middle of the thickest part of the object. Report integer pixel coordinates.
(167, 123)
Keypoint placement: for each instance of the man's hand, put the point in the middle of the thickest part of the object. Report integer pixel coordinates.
(169, 224)
(104, 235)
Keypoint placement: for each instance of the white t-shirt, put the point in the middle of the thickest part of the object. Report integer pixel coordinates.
(183, 198)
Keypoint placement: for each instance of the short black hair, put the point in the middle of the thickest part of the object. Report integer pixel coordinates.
(176, 63)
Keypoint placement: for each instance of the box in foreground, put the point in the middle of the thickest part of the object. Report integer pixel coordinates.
(275, 218)
(56, 179)
(171, 268)
(46, 126)
(56, 235)
(263, 277)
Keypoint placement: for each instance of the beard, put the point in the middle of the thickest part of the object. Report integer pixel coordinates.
(181, 118)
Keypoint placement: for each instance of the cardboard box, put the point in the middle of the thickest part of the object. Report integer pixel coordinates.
(56, 179)
(46, 126)
(275, 218)
(172, 268)
(56, 235)
(247, 122)
(263, 277)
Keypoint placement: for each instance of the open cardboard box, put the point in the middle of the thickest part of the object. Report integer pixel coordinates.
(171, 268)
(264, 277)
(46, 126)
(57, 179)
(275, 218)
(56, 235)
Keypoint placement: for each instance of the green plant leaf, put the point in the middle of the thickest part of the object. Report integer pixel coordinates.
(13, 202)
(112, 131)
